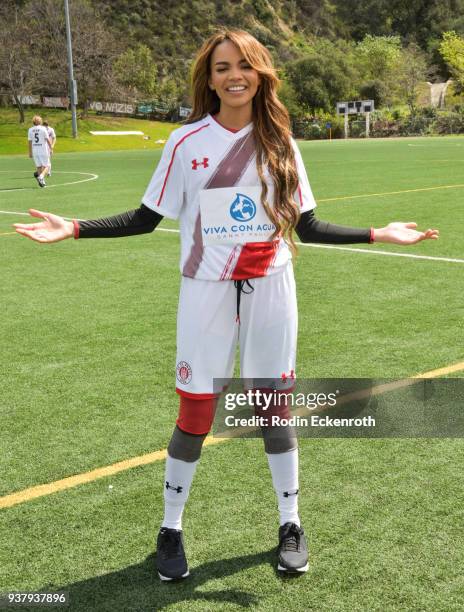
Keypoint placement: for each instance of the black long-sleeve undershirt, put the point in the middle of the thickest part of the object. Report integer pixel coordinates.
(143, 220)
(310, 229)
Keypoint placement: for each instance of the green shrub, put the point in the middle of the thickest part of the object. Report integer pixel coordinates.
(449, 123)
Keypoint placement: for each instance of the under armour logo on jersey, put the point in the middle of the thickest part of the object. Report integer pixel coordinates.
(203, 163)
(288, 493)
(176, 489)
(286, 377)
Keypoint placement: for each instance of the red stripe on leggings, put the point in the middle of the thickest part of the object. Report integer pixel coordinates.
(198, 396)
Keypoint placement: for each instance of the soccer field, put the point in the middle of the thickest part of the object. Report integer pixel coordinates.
(87, 377)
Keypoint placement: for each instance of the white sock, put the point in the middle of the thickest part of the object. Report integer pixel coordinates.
(284, 471)
(178, 478)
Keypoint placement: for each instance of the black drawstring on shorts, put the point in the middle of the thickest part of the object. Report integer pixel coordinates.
(239, 285)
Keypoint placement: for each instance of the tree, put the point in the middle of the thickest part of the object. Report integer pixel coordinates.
(95, 48)
(412, 73)
(19, 68)
(414, 21)
(319, 18)
(168, 93)
(136, 70)
(289, 98)
(441, 16)
(379, 60)
(452, 51)
(327, 76)
(364, 17)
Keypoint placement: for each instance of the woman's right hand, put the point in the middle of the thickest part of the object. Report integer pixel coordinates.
(52, 229)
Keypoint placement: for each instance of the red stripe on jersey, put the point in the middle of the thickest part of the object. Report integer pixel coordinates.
(172, 159)
(233, 130)
(228, 265)
(301, 197)
(255, 259)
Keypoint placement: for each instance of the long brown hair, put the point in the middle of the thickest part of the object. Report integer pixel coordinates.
(271, 125)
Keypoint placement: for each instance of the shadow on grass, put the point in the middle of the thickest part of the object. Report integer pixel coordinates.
(16, 189)
(138, 587)
(28, 183)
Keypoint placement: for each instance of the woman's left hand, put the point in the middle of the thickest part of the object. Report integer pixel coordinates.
(403, 233)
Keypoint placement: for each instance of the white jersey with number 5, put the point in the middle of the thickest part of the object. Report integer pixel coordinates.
(38, 136)
(207, 178)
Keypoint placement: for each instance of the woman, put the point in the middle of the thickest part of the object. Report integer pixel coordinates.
(234, 162)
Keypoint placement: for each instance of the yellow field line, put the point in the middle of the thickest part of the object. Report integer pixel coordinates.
(372, 195)
(73, 481)
(12, 499)
(456, 367)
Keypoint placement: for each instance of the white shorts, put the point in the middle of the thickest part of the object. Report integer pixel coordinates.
(41, 159)
(208, 332)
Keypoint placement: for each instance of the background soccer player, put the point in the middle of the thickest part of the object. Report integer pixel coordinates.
(236, 144)
(52, 138)
(39, 149)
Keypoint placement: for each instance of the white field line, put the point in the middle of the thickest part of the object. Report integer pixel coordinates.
(424, 145)
(307, 244)
(93, 177)
(375, 252)
(23, 214)
(11, 212)
(115, 133)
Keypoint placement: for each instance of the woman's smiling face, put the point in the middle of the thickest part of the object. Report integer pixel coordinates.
(232, 77)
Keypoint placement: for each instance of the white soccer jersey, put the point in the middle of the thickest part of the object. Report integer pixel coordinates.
(207, 178)
(38, 136)
(51, 133)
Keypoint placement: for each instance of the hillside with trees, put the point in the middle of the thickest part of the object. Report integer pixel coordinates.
(325, 50)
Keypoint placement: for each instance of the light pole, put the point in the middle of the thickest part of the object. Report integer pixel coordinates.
(72, 82)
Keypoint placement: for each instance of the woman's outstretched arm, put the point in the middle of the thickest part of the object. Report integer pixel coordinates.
(54, 228)
(310, 229)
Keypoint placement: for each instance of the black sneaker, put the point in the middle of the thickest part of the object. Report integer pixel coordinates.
(171, 562)
(293, 550)
(41, 182)
(36, 174)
